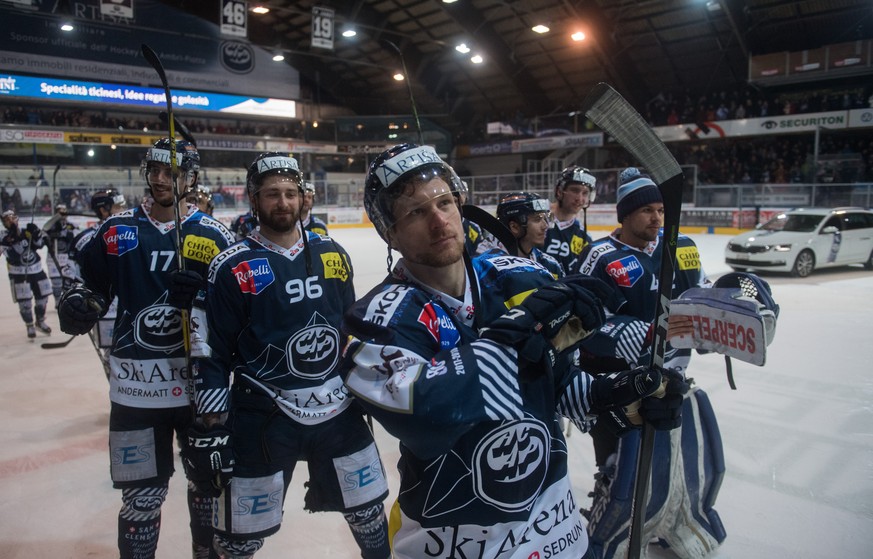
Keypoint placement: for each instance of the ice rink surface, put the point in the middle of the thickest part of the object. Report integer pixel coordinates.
(798, 436)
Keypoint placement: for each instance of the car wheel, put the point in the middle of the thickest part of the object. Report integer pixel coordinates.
(869, 263)
(804, 264)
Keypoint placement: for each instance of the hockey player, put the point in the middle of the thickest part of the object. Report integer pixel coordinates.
(133, 255)
(473, 391)
(566, 237)
(104, 203)
(629, 261)
(527, 217)
(61, 235)
(30, 286)
(309, 221)
(201, 197)
(243, 225)
(272, 314)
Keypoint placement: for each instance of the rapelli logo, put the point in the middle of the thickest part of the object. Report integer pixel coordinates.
(626, 271)
(253, 276)
(120, 239)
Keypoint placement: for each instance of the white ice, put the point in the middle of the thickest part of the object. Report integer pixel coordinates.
(798, 436)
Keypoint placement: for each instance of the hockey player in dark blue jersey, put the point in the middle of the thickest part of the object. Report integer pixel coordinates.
(133, 256)
(471, 389)
(271, 317)
(526, 215)
(688, 461)
(311, 222)
(566, 237)
(243, 224)
(30, 286)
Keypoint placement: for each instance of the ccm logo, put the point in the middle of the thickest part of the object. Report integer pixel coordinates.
(210, 442)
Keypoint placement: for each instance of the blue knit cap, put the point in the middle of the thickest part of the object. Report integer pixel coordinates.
(635, 191)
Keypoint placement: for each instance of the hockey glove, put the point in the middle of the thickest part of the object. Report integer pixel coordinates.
(531, 326)
(610, 393)
(79, 310)
(665, 412)
(32, 231)
(184, 285)
(208, 458)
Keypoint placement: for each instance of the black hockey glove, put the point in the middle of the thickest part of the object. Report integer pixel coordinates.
(79, 310)
(184, 285)
(610, 393)
(32, 231)
(208, 458)
(665, 413)
(552, 319)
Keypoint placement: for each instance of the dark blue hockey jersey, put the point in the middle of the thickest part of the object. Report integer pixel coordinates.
(564, 242)
(483, 460)
(274, 324)
(316, 225)
(21, 248)
(633, 274)
(131, 257)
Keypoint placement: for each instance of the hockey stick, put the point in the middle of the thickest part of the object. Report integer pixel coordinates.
(180, 126)
(492, 225)
(615, 116)
(57, 345)
(409, 88)
(155, 62)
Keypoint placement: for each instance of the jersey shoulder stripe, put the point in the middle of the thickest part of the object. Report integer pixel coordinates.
(225, 256)
(597, 250)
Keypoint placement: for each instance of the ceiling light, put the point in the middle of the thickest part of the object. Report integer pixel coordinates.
(539, 28)
(449, 1)
(278, 57)
(399, 77)
(91, 152)
(349, 33)
(578, 36)
(477, 59)
(462, 48)
(66, 26)
(260, 10)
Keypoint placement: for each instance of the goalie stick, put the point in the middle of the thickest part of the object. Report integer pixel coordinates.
(606, 108)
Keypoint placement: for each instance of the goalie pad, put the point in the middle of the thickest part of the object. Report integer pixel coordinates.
(687, 471)
(724, 322)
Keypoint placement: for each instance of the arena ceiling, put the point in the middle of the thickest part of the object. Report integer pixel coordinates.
(640, 47)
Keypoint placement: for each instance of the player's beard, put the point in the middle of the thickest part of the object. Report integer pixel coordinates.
(442, 256)
(279, 220)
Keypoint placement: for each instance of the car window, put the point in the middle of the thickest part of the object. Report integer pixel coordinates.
(835, 221)
(803, 223)
(858, 221)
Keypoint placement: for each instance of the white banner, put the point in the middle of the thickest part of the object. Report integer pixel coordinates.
(322, 27)
(592, 139)
(233, 18)
(117, 8)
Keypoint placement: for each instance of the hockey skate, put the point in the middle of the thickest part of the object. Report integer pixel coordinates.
(31, 331)
(602, 481)
(42, 327)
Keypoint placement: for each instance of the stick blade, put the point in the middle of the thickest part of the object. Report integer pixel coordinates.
(153, 60)
(606, 108)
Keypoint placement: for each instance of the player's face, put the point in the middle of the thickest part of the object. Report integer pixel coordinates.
(160, 179)
(428, 229)
(575, 197)
(278, 203)
(537, 225)
(308, 199)
(643, 224)
(10, 221)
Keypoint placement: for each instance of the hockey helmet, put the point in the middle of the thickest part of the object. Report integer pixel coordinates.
(518, 205)
(8, 217)
(201, 196)
(754, 288)
(187, 157)
(271, 163)
(308, 187)
(106, 199)
(61, 209)
(395, 168)
(574, 174)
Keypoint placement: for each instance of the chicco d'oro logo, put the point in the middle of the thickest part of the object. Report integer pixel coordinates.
(510, 465)
(237, 57)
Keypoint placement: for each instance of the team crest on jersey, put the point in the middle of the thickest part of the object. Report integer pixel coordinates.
(314, 350)
(253, 275)
(120, 239)
(159, 327)
(334, 266)
(439, 325)
(577, 243)
(510, 465)
(625, 272)
(201, 249)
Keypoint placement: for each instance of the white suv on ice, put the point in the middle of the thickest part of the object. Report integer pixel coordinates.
(799, 241)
